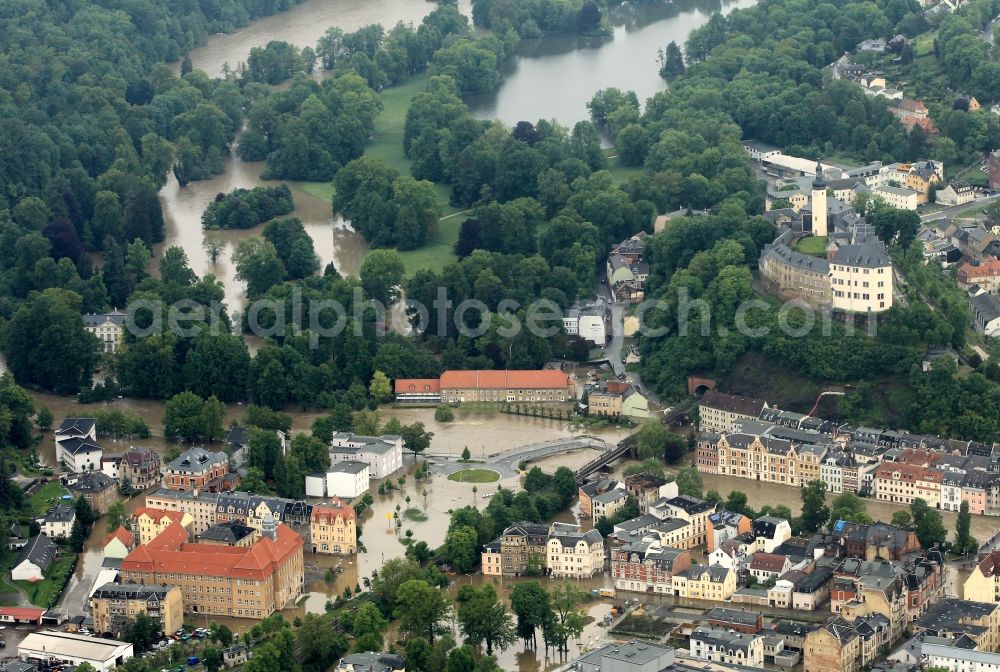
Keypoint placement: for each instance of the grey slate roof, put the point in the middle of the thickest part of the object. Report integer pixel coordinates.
(865, 255)
(60, 513)
(73, 426)
(986, 305)
(116, 317)
(75, 446)
(40, 551)
(229, 532)
(348, 467)
(93, 481)
(132, 591)
(196, 460)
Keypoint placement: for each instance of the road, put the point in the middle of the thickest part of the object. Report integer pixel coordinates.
(506, 464)
(614, 348)
(956, 210)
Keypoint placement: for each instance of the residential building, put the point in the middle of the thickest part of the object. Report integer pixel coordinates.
(768, 533)
(588, 321)
(50, 647)
(986, 274)
(609, 503)
(747, 622)
(835, 647)
(993, 165)
(247, 582)
(382, 454)
(230, 533)
(591, 489)
(114, 606)
(725, 525)
(725, 413)
(647, 488)
(196, 469)
(572, 553)
(34, 559)
(876, 541)
(100, 490)
(956, 193)
(986, 314)
(900, 198)
(862, 278)
(899, 482)
(58, 522)
(605, 404)
(490, 559)
(767, 566)
(952, 618)
(498, 386)
(984, 580)
(76, 445)
(109, 328)
(763, 458)
(235, 655)
(647, 567)
(715, 583)
(723, 646)
(152, 521)
(254, 509)
(692, 510)
(139, 469)
(333, 528)
(958, 659)
(348, 479)
(201, 506)
(523, 549)
(118, 544)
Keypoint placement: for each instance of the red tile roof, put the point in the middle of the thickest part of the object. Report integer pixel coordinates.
(908, 473)
(169, 553)
(122, 535)
(21, 613)
(158, 514)
(330, 512)
(504, 380)
(417, 386)
(768, 562)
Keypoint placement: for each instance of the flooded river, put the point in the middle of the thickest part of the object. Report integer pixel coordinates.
(567, 69)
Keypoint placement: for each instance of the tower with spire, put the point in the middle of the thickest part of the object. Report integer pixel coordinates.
(819, 210)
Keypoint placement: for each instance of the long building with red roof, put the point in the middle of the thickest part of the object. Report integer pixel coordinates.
(493, 386)
(244, 582)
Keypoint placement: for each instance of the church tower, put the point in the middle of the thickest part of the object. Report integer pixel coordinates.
(819, 214)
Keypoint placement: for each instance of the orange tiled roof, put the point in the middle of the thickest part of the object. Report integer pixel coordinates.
(122, 535)
(333, 510)
(417, 385)
(985, 269)
(158, 514)
(908, 473)
(503, 380)
(169, 553)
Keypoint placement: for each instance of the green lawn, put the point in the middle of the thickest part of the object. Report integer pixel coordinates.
(475, 476)
(46, 497)
(923, 45)
(43, 593)
(321, 190)
(814, 245)
(619, 172)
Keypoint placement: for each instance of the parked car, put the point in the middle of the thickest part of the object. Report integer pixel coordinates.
(193, 660)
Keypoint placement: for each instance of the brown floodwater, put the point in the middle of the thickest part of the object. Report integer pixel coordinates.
(333, 238)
